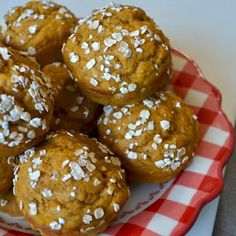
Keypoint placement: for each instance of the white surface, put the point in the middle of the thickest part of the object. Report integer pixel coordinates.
(181, 194)
(161, 224)
(205, 30)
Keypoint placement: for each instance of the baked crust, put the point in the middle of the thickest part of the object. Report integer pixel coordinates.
(26, 103)
(39, 28)
(118, 55)
(75, 183)
(155, 138)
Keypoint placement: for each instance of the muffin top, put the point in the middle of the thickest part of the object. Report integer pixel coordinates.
(38, 26)
(160, 133)
(76, 185)
(26, 103)
(117, 51)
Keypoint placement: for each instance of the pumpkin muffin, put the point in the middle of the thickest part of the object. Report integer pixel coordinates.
(26, 103)
(155, 138)
(118, 55)
(75, 183)
(40, 29)
(72, 111)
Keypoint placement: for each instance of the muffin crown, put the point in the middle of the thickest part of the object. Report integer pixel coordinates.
(118, 51)
(76, 185)
(26, 101)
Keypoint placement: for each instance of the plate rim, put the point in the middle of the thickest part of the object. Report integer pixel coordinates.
(225, 158)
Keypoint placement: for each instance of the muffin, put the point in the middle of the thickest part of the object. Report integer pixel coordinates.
(9, 205)
(155, 138)
(75, 183)
(72, 111)
(118, 55)
(26, 103)
(6, 175)
(40, 29)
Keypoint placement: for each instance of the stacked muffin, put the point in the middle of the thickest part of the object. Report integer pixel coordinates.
(116, 57)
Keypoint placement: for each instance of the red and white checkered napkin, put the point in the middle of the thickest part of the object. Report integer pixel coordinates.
(177, 209)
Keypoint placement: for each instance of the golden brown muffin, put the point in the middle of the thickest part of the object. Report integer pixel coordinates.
(72, 111)
(75, 183)
(9, 205)
(6, 175)
(26, 103)
(40, 29)
(118, 55)
(155, 138)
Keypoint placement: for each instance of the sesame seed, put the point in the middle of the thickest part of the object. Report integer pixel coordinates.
(134, 33)
(33, 29)
(90, 64)
(84, 45)
(93, 24)
(113, 181)
(96, 46)
(74, 108)
(61, 221)
(87, 219)
(76, 171)
(128, 135)
(117, 115)
(194, 117)
(143, 29)
(5, 53)
(110, 191)
(99, 213)
(160, 163)
(73, 57)
(96, 182)
(144, 114)
(3, 202)
(33, 209)
(132, 87)
(157, 138)
(181, 152)
(35, 122)
(166, 146)
(47, 193)
(65, 177)
(132, 155)
(165, 124)
(94, 82)
(117, 66)
(55, 225)
(174, 166)
(117, 36)
(65, 163)
(157, 37)
(109, 42)
(124, 90)
(31, 51)
(108, 131)
(154, 146)
(116, 207)
(178, 105)
(185, 159)
(34, 175)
